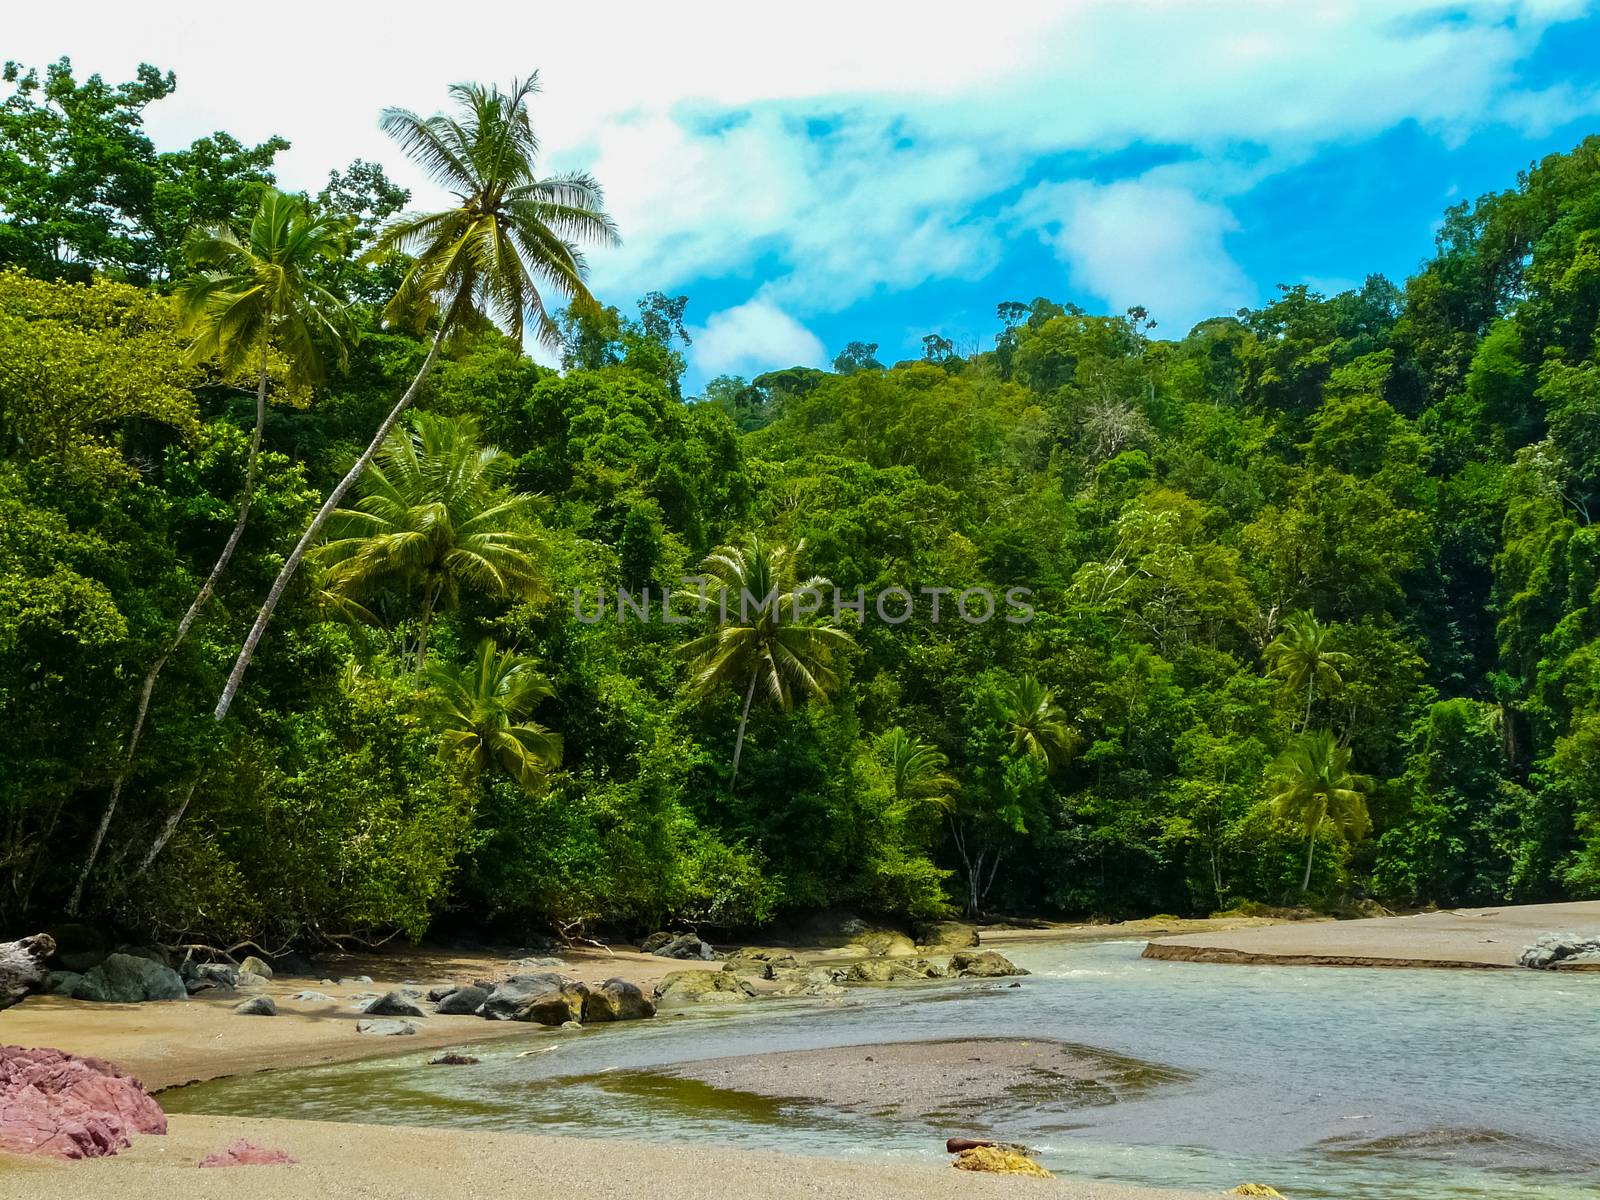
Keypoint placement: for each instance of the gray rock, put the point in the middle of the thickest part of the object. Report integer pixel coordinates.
(355, 980)
(79, 948)
(24, 966)
(656, 940)
(983, 964)
(249, 979)
(61, 983)
(392, 1004)
(222, 974)
(312, 997)
(891, 970)
(1552, 948)
(686, 945)
(256, 1006)
(256, 967)
(124, 979)
(946, 935)
(617, 1000)
(461, 1001)
(545, 999)
(385, 1028)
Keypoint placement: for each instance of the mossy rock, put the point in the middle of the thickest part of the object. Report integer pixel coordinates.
(998, 1161)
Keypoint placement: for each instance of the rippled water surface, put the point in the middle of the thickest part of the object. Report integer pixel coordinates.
(1341, 1083)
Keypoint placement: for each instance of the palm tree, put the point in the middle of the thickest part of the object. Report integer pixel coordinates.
(481, 260)
(917, 772)
(481, 711)
(1312, 782)
(760, 641)
(1036, 723)
(249, 294)
(1303, 657)
(432, 519)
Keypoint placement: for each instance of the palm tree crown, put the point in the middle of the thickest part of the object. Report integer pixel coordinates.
(259, 288)
(512, 232)
(1312, 782)
(1304, 658)
(917, 770)
(762, 642)
(1036, 723)
(433, 518)
(481, 711)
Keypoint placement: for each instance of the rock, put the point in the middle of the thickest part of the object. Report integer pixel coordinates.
(686, 945)
(78, 947)
(655, 941)
(392, 1004)
(461, 1001)
(124, 979)
(1552, 948)
(534, 964)
(246, 980)
(256, 967)
(256, 1006)
(983, 964)
(885, 943)
(696, 987)
(156, 954)
(767, 963)
(245, 1154)
(946, 935)
(451, 1059)
(617, 1000)
(386, 1028)
(355, 980)
(889, 970)
(572, 1025)
(312, 997)
(62, 1106)
(1255, 1189)
(23, 967)
(222, 974)
(998, 1161)
(545, 999)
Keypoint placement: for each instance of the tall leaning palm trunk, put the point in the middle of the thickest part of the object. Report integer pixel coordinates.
(478, 262)
(249, 292)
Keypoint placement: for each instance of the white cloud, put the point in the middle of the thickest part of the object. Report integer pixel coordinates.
(1148, 241)
(753, 337)
(843, 152)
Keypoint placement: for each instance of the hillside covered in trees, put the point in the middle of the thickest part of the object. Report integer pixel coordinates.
(1316, 590)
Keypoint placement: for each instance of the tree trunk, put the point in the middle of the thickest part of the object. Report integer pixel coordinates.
(247, 651)
(430, 597)
(1311, 691)
(738, 742)
(1311, 849)
(207, 590)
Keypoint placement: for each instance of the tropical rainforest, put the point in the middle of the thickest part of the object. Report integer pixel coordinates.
(291, 527)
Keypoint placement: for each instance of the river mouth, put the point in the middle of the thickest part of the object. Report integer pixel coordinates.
(1329, 1084)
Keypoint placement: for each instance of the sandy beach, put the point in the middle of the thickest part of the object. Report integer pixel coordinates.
(358, 1162)
(1457, 938)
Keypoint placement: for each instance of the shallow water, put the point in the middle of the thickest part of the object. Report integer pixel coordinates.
(1346, 1084)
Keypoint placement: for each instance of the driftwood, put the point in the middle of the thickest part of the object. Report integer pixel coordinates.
(22, 968)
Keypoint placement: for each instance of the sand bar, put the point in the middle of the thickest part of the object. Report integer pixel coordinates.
(1469, 937)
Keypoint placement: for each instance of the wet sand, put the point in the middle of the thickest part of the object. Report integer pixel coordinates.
(1463, 938)
(372, 1162)
(973, 1080)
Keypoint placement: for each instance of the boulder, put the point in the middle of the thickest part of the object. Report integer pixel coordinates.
(983, 964)
(61, 983)
(221, 974)
(686, 945)
(386, 1028)
(461, 1001)
(545, 999)
(946, 935)
(156, 954)
(451, 1059)
(312, 997)
(655, 941)
(768, 964)
(78, 947)
(246, 980)
(355, 980)
(617, 1000)
(62, 1106)
(256, 1006)
(124, 979)
(23, 967)
(256, 967)
(998, 1160)
(697, 987)
(392, 1004)
(890, 970)
(1553, 948)
(885, 943)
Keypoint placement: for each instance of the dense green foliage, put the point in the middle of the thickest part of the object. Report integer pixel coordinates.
(1314, 589)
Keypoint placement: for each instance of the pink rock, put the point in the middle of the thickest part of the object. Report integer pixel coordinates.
(63, 1106)
(245, 1154)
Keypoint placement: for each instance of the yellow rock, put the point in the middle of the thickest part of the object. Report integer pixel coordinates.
(1001, 1162)
(1255, 1189)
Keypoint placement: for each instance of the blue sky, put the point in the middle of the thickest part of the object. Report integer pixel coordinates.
(811, 175)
